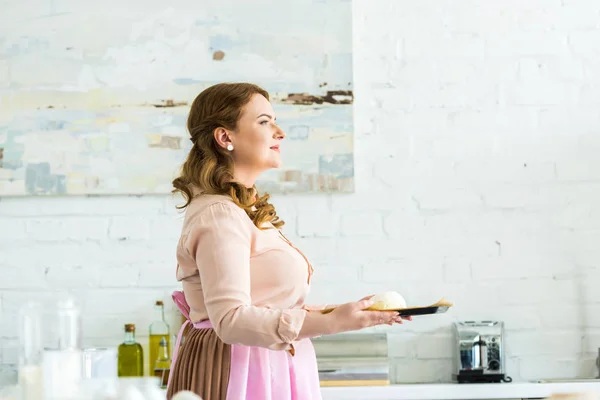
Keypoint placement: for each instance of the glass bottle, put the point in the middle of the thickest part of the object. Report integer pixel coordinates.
(62, 357)
(162, 366)
(158, 330)
(31, 352)
(130, 354)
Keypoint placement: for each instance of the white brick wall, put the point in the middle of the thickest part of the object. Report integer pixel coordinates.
(477, 175)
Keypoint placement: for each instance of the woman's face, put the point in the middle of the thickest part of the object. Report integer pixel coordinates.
(257, 138)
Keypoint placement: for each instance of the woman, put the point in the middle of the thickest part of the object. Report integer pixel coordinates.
(244, 282)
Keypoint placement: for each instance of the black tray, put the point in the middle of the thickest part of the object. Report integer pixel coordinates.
(409, 312)
(438, 308)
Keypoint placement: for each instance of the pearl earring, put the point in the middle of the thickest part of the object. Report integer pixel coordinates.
(229, 147)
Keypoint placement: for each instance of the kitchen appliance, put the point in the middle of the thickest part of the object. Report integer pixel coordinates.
(479, 353)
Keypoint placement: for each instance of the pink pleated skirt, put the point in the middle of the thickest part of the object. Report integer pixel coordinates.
(218, 371)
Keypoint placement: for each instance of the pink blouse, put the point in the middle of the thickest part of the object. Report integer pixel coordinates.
(250, 283)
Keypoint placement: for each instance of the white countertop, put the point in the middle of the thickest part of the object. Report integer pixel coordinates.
(465, 391)
(455, 391)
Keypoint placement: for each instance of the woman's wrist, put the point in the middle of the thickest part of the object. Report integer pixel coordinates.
(332, 322)
(318, 324)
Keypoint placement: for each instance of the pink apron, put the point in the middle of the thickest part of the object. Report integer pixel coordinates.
(260, 373)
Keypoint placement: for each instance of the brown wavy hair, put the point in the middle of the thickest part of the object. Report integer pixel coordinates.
(208, 166)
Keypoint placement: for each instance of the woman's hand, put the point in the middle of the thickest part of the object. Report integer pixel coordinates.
(399, 320)
(346, 317)
(355, 316)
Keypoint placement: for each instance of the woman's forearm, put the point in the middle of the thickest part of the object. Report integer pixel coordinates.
(318, 307)
(317, 324)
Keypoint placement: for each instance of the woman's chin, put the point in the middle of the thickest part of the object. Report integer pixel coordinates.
(274, 164)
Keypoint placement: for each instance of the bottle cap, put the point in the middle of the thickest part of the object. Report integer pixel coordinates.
(159, 303)
(129, 327)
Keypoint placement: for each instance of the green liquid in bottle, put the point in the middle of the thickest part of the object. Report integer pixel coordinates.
(131, 355)
(162, 366)
(157, 330)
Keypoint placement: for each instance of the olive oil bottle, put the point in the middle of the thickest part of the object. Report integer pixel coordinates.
(158, 330)
(162, 366)
(130, 354)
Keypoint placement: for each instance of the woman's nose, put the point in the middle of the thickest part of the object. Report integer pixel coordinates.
(279, 133)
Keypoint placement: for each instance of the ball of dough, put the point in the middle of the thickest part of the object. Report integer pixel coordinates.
(390, 300)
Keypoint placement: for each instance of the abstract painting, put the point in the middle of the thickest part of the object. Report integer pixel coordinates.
(94, 96)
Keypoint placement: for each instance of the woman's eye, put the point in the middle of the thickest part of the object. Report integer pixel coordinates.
(264, 122)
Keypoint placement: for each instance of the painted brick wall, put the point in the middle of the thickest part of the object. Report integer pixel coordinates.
(478, 179)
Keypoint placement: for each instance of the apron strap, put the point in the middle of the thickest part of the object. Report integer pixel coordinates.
(183, 306)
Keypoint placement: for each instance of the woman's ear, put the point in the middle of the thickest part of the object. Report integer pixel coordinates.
(222, 136)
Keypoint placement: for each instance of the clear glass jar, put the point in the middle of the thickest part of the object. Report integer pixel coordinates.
(63, 357)
(31, 350)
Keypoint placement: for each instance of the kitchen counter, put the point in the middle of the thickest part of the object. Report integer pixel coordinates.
(454, 391)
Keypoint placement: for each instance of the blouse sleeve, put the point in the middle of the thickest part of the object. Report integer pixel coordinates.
(220, 242)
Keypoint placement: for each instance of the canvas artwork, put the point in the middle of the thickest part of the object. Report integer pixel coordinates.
(94, 96)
